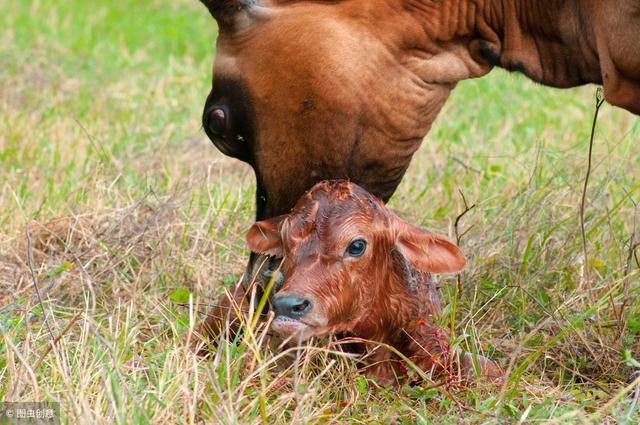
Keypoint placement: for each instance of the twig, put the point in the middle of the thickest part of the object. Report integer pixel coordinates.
(55, 341)
(599, 102)
(468, 167)
(35, 280)
(459, 236)
(467, 208)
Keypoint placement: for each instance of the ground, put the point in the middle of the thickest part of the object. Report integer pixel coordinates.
(136, 223)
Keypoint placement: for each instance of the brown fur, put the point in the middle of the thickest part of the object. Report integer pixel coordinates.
(224, 315)
(349, 88)
(386, 295)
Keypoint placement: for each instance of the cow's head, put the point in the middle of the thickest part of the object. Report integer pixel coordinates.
(348, 262)
(311, 90)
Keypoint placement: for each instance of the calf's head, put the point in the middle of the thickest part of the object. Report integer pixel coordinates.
(345, 260)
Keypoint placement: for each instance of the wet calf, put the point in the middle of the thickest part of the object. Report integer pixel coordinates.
(353, 267)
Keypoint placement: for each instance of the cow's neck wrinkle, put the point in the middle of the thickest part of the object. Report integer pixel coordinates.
(548, 40)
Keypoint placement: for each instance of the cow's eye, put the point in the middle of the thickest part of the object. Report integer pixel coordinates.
(357, 248)
(217, 122)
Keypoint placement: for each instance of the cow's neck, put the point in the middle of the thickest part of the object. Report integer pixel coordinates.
(548, 40)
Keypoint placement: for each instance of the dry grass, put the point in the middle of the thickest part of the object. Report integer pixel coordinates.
(137, 223)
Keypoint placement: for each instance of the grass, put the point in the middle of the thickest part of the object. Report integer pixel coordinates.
(133, 215)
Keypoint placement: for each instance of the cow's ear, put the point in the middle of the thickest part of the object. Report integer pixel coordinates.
(264, 237)
(228, 13)
(426, 251)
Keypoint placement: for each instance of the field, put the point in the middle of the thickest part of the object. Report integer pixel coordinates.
(130, 223)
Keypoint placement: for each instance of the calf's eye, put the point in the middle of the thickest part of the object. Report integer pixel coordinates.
(217, 122)
(357, 248)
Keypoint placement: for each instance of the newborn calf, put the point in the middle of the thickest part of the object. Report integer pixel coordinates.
(353, 267)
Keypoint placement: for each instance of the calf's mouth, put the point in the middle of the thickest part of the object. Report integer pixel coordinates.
(286, 326)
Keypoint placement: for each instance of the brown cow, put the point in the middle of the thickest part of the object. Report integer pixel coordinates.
(352, 266)
(307, 90)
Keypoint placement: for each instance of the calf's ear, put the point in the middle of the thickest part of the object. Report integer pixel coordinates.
(428, 252)
(264, 237)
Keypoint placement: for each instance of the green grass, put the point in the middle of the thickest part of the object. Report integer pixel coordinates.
(131, 210)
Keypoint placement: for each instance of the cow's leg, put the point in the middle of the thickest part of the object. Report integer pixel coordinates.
(260, 270)
(479, 367)
(430, 350)
(382, 365)
(224, 314)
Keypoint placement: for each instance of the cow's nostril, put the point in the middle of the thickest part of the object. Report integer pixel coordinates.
(291, 306)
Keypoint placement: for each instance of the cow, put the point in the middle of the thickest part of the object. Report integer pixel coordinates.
(309, 90)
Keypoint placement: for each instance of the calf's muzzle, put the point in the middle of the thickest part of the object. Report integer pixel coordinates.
(291, 306)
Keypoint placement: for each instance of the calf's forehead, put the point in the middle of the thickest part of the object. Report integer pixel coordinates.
(333, 213)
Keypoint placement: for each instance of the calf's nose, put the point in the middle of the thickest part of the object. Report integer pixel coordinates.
(291, 306)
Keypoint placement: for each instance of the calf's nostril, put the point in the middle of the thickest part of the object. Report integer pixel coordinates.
(291, 306)
(301, 307)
